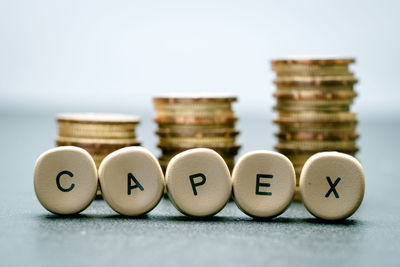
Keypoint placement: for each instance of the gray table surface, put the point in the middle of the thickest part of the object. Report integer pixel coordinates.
(31, 236)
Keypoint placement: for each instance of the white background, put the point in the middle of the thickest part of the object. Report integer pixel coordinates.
(113, 56)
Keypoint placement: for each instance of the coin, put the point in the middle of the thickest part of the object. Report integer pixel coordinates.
(314, 99)
(314, 94)
(315, 127)
(315, 136)
(97, 118)
(315, 81)
(198, 141)
(196, 120)
(196, 132)
(313, 61)
(195, 98)
(310, 70)
(313, 105)
(316, 117)
(97, 133)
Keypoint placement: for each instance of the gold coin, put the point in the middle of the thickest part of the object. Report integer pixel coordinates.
(195, 120)
(160, 106)
(103, 141)
(198, 144)
(295, 106)
(224, 132)
(311, 116)
(97, 118)
(96, 131)
(195, 127)
(309, 69)
(314, 95)
(315, 136)
(196, 141)
(195, 98)
(314, 88)
(299, 109)
(313, 61)
(210, 114)
(318, 127)
(316, 81)
(297, 195)
(316, 144)
(314, 102)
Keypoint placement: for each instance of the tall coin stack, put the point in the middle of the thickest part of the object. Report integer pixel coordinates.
(313, 102)
(99, 134)
(189, 121)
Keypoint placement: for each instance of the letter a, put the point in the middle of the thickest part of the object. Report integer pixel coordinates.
(135, 185)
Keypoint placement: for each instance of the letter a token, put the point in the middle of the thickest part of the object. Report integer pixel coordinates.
(131, 181)
(198, 182)
(332, 185)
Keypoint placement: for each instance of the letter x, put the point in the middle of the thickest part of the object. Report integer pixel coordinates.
(332, 189)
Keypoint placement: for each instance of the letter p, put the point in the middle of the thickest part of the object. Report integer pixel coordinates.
(194, 184)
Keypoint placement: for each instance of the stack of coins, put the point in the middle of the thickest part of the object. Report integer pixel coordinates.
(188, 121)
(313, 102)
(99, 134)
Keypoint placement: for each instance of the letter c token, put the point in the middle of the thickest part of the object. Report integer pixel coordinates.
(65, 180)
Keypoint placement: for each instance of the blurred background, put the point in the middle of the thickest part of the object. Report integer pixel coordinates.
(114, 56)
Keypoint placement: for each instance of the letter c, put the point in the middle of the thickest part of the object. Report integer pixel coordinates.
(58, 181)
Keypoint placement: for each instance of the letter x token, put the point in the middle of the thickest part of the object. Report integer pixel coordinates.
(332, 185)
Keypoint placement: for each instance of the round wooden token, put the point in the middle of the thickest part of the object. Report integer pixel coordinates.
(198, 182)
(131, 180)
(65, 180)
(332, 185)
(263, 183)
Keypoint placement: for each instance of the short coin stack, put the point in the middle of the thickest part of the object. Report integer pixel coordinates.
(99, 134)
(188, 121)
(313, 102)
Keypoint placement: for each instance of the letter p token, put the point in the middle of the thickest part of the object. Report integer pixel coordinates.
(198, 182)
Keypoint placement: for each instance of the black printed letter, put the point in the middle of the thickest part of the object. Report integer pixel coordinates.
(259, 184)
(135, 185)
(58, 181)
(333, 187)
(203, 180)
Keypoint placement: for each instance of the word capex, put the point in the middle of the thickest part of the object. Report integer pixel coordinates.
(198, 182)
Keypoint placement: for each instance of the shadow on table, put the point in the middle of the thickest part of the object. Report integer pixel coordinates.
(182, 218)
